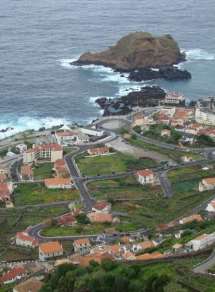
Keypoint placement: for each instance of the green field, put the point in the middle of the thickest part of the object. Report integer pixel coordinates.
(122, 188)
(12, 221)
(43, 170)
(115, 162)
(75, 230)
(150, 207)
(191, 172)
(37, 193)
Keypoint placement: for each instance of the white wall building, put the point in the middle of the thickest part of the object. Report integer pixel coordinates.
(51, 152)
(145, 176)
(202, 241)
(205, 117)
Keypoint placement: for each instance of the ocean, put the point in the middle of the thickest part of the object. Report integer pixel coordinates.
(39, 39)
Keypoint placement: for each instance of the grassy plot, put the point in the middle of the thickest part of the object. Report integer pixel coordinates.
(75, 230)
(122, 188)
(37, 193)
(150, 207)
(12, 221)
(43, 170)
(106, 164)
(190, 172)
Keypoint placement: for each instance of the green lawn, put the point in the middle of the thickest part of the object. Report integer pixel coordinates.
(106, 164)
(12, 221)
(37, 193)
(43, 170)
(75, 230)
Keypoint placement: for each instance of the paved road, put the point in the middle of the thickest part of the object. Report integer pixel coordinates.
(203, 267)
(85, 196)
(165, 184)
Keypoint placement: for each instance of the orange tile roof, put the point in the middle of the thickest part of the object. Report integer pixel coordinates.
(51, 146)
(55, 181)
(194, 217)
(81, 241)
(209, 180)
(50, 247)
(145, 172)
(98, 150)
(66, 133)
(101, 205)
(100, 217)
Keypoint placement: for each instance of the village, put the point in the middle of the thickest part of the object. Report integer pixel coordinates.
(136, 188)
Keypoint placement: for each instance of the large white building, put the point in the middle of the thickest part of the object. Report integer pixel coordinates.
(69, 137)
(205, 117)
(49, 250)
(50, 152)
(202, 241)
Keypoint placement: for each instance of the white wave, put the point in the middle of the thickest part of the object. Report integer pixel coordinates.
(67, 63)
(124, 90)
(199, 54)
(22, 124)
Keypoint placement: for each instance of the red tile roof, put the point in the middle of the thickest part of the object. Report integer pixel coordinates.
(66, 219)
(46, 147)
(25, 237)
(145, 172)
(82, 241)
(98, 150)
(101, 205)
(100, 217)
(55, 181)
(4, 192)
(12, 274)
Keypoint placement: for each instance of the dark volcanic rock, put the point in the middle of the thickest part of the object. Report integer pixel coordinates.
(147, 96)
(168, 73)
(136, 51)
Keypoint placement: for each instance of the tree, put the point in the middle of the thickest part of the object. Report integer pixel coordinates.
(82, 219)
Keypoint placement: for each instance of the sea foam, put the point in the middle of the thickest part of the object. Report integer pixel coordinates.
(199, 54)
(21, 124)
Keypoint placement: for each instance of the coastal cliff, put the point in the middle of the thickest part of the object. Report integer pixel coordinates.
(137, 51)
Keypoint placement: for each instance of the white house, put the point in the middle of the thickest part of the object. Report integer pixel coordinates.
(202, 241)
(101, 207)
(207, 184)
(23, 239)
(82, 246)
(49, 250)
(72, 137)
(145, 176)
(211, 206)
(204, 117)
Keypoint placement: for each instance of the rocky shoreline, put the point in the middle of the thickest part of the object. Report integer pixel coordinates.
(147, 97)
